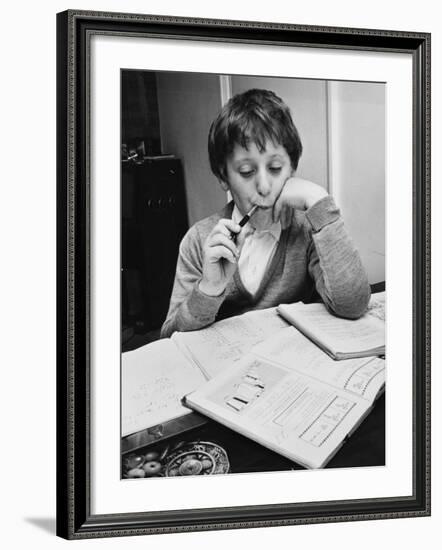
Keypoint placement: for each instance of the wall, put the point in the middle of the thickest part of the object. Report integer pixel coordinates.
(357, 166)
(180, 96)
(28, 277)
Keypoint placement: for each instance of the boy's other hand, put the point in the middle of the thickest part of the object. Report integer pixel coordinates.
(296, 194)
(220, 257)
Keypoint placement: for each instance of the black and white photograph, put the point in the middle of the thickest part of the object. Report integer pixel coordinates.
(252, 274)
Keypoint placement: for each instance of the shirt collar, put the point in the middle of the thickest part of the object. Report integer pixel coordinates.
(274, 229)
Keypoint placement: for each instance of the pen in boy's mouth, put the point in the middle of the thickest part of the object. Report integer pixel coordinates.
(244, 220)
(247, 217)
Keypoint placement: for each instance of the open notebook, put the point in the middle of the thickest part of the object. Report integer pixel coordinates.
(341, 338)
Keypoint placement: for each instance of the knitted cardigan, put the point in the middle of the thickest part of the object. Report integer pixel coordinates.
(313, 255)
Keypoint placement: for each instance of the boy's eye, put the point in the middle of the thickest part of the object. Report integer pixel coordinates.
(246, 173)
(275, 169)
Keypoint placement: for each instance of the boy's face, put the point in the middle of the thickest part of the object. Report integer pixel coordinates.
(257, 178)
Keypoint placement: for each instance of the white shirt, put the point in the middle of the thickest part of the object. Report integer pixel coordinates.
(257, 251)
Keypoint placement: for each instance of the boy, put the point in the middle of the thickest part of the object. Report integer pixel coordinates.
(295, 244)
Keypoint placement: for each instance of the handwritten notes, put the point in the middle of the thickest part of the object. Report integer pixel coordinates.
(154, 379)
(219, 346)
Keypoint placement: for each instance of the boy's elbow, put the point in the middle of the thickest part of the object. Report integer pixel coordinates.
(353, 304)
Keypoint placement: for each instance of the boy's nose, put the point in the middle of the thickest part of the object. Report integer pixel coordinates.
(263, 185)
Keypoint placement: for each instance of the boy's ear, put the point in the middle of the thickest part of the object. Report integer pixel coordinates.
(224, 184)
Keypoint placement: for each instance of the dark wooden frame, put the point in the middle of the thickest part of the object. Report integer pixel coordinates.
(74, 519)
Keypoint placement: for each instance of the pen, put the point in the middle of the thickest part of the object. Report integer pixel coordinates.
(243, 222)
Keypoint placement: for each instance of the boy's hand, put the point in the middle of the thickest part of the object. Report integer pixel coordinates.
(220, 256)
(296, 194)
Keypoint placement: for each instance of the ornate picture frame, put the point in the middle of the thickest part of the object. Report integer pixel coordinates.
(76, 517)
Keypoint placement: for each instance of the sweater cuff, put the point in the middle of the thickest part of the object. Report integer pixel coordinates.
(203, 307)
(322, 213)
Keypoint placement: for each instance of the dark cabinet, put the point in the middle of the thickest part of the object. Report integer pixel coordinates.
(154, 220)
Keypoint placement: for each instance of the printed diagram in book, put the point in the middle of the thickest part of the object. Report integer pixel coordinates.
(250, 384)
(247, 390)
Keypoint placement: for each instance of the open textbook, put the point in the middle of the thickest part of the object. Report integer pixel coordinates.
(341, 338)
(291, 397)
(156, 376)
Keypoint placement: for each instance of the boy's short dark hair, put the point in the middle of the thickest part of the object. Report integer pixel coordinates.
(252, 116)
